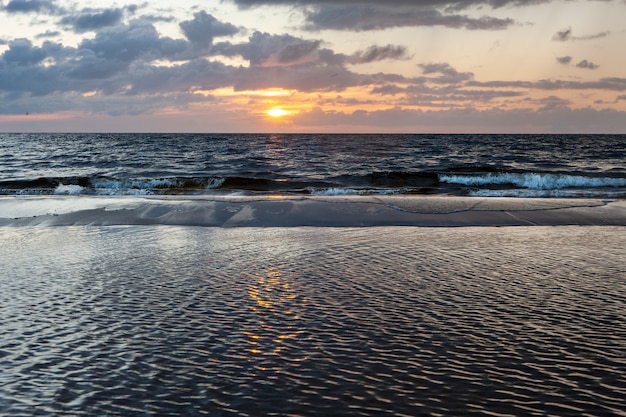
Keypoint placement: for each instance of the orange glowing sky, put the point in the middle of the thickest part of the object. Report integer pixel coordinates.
(313, 66)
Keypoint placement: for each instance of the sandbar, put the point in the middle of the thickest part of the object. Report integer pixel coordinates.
(313, 211)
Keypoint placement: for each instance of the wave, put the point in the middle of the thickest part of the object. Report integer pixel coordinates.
(352, 191)
(571, 193)
(471, 182)
(535, 181)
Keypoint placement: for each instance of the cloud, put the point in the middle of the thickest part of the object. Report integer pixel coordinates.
(264, 49)
(609, 84)
(126, 43)
(302, 78)
(566, 35)
(562, 35)
(388, 90)
(22, 70)
(91, 20)
(125, 66)
(593, 36)
(448, 4)
(28, 6)
(294, 53)
(552, 103)
(565, 60)
(203, 28)
(379, 53)
(447, 74)
(587, 65)
(105, 63)
(373, 17)
(48, 34)
(21, 52)
(466, 120)
(195, 74)
(120, 61)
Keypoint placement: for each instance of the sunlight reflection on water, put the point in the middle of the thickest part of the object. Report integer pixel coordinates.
(312, 321)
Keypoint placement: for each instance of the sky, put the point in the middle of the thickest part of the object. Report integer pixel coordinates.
(362, 66)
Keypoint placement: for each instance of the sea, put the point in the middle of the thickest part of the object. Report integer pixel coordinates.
(474, 165)
(152, 319)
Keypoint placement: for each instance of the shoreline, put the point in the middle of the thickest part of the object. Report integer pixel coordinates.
(312, 211)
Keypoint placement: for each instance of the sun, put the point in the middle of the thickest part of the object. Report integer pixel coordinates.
(278, 112)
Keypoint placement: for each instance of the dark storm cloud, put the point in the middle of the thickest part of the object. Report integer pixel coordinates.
(90, 20)
(565, 60)
(28, 6)
(379, 53)
(586, 65)
(374, 17)
(203, 28)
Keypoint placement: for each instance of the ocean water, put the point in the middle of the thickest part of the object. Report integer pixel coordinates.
(389, 321)
(163, 314)
(478, 165)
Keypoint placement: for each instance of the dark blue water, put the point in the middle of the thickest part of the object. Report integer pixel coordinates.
(486, 165)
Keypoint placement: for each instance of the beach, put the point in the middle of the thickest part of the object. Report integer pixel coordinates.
(292, 305)
(315, 211)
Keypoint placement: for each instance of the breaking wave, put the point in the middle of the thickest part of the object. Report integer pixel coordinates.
(470, 182)
(535, 181)
(351, 191)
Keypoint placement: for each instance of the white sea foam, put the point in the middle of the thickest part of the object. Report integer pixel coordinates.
(349, 191)
(132, 184)
(215, 183)
(526, 193)
(535, 181)
(146, 187)
(68, 189)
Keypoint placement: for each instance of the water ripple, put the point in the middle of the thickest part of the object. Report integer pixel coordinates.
(311, 321)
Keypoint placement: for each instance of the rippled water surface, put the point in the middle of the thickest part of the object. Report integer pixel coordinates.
(312, 321)
(483, 165)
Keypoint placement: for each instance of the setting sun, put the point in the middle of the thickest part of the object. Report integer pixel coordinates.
(278, 112)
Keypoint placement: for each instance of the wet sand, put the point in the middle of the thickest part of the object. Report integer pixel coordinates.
(124, 309)
(292, 211)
